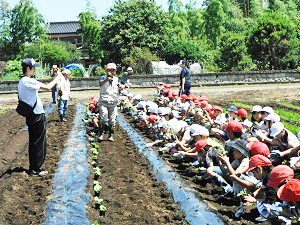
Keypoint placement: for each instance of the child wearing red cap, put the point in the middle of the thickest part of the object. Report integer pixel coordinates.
(276, 212)
(176, 101)
(220, 120)
(255, 180)
(195, 152)
(290, 193)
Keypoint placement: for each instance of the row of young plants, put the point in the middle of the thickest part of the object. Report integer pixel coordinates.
(97, 172)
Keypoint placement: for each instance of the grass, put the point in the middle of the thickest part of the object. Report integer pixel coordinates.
(292, 116)
(289, 105)
(242, 105)
(2, 111)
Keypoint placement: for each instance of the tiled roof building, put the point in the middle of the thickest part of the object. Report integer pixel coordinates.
(65, 31)
(63, 27)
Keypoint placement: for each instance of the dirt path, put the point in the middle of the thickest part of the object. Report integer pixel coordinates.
(23, 198)
(130, 190)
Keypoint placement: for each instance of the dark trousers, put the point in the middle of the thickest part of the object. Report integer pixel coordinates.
(187, 91)
(37, 141)
(54, 93)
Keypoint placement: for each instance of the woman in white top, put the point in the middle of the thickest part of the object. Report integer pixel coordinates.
(28, 92)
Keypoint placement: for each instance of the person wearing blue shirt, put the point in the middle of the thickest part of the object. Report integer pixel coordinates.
(185, 84)
(125, 77)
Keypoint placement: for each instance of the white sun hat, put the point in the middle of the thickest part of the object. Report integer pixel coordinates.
(268, 109)
(276, 128)
(273, 117)
(257, 108)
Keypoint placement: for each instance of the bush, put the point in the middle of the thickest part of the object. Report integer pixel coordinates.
(77, 73)
(140, 59)
(99, 71)
(13, 69)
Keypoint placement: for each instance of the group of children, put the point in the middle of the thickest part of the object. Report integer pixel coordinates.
(254, 160)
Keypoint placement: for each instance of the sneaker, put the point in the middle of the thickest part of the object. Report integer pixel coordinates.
(261, 219)
(195, 163)
(101, 137)
(111, 138)
(39, 173)
(228, 189)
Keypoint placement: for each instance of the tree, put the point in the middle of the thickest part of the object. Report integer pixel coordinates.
(26, 25)
(213, 21)
(233, 53)
(90, 29)
(5, 14)
(140, 59)
(176, 49)
(134, 23)
(52, 52)
(271, 41)
(195, 20)
(175, 6)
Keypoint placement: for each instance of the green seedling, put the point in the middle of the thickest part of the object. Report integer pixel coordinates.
(97, 171)
(95, 145)
(103, 208)
(95, 152)
(96, 223)
(94, 163)
(223, 151)
(95, 157)
(93, 149)
(91, 139)
(97, 186)
(242, 193)
(98, 200)
(93, 134)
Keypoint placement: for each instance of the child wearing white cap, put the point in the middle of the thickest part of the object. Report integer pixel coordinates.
(63, 89)
(283, 140)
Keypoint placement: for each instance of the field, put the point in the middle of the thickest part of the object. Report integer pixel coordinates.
(130, 191)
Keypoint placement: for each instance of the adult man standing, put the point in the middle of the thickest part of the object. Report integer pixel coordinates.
(125, 77)
(109, 94)
(185, 84)
(28, 92)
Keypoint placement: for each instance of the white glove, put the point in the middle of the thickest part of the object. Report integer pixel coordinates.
(293, 161)
(261, 135)
(149, 145)
(170, 145)
(166, 148)
(179, 154)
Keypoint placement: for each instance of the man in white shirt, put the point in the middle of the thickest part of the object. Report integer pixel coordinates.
(28, 92)
(109, 96)
(64, 93)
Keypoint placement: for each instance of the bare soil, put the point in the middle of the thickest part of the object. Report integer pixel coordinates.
(130, 190)
(23, 198)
